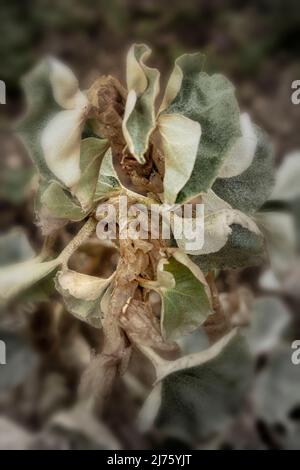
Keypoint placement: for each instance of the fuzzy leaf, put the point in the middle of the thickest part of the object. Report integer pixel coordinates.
(108, 182)
(60, 204)
(185, 64)
(185, 296)
(243, 248)
(249, 190)
(82, 295)
(143, 87)
(200, 401)
(210, 101)
(180, 139)
(218, 228)
(92, 152)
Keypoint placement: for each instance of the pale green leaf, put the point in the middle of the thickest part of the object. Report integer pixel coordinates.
(60, 204)
(218, 228)
(201, 354)
(185, 64)
(143, 87)
(200, 401)
(180, 138)
(210, 101)
(92, 152)
(243, 248)
(108, 182)
(82, 295)
(185, 298)
(249, 190)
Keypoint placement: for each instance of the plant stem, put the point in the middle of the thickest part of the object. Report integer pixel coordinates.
(84, 233)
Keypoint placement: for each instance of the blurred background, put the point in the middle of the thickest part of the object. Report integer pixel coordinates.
(257, 45)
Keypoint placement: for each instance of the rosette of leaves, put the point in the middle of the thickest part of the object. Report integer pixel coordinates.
(91, 147)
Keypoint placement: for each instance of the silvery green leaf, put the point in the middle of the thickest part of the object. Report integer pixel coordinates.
(243, 248)
(200, 401)
(92, 152)
(217, 230)
(249, 190)
(60, 204)
(185, 296)
(108, 182)
(185, 64)
(82, 295)
(143, 87)
(210, 101)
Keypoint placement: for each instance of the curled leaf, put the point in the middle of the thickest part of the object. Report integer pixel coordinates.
(187, 63)
(249, 190)
(243, 248)
(210, 101)
(92, 152)
(82, 295)
(108, 182)
(143, 87)
(180, 139)
(218, 228)
(65, 85)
